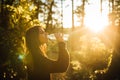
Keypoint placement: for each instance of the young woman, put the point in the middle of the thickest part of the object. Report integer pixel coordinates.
(40, 67)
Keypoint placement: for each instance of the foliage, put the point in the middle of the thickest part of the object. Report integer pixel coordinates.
(117, 13)
(12, 44)
(114, 15)
(88, 54)
(47, 11)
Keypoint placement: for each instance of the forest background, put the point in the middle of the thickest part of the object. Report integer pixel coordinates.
(89, 54)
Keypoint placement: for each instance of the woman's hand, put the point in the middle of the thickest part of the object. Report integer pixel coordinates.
(59, 37)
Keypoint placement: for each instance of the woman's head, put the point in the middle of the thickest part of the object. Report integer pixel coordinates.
(35, 37)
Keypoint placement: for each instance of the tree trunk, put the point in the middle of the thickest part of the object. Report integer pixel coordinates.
(83, 11)
(49, 18)
(4, 14)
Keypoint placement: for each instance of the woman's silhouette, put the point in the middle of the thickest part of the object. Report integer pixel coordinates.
(39, 66)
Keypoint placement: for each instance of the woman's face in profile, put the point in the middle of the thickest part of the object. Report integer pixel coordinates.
(43, 36)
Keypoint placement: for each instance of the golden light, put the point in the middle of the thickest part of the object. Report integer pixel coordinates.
(95, 19)
(96, 23)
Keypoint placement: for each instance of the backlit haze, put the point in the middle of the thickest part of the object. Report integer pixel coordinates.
(94, 18)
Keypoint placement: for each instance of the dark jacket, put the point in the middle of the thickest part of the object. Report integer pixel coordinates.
(44, 66)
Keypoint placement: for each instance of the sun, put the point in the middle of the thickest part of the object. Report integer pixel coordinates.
(95, 19)
(96, 23)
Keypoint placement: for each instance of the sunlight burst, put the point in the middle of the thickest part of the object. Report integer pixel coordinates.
(95, 19)
(96, 23)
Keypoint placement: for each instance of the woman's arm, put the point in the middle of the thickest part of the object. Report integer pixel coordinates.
(62, 62)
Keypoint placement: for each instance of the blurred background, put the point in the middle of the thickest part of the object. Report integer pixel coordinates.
(91, 29)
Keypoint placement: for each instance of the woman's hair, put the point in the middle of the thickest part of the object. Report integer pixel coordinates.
(32, 38)
(32, 44)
